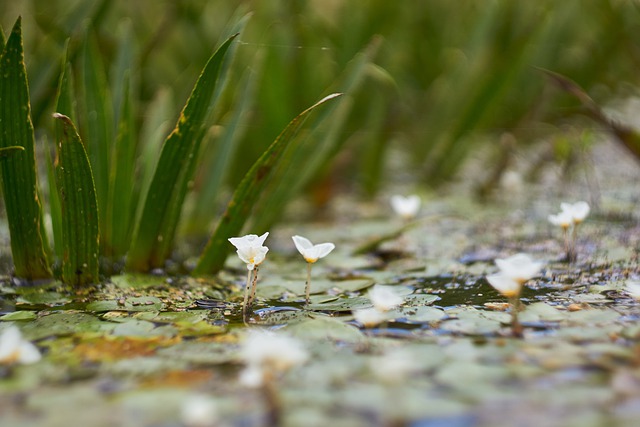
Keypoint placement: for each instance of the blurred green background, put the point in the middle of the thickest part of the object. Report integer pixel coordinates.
(433, 80)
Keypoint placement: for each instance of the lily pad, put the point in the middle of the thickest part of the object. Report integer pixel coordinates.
(422, 314)
(191, 316)
(342, 304)
(134, 304)
(37, 297)
(325, 328)
(64, 323)
(19, 315)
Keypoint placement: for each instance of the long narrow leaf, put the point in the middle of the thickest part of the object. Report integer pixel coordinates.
(120, 209)
(79, 206)
(19, 182)
(64, 105)
(97, 125)
(156, 228)
(248, 192)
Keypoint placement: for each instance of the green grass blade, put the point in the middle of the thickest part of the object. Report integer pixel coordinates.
(97, 124)
(80, 238)
(120, 209)
(156, 228)
(19, 181)
(65, 104)
(248, 192)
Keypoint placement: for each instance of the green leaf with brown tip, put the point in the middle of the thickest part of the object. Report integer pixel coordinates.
(79, 206)
(248, 192)
(19, 181)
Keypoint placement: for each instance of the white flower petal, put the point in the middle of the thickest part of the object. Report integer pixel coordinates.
(272, 351)
(384, 298)
(250, 249)
(520, 267)
(252, 376)
(262, 238)
(311, 252)
(407, 207)
(9, 343)
(368, 317)
(302, 243)
(324, 249)
(13, 348)
(504, 284)
(577, 210)
(563, 219)
(29, 353)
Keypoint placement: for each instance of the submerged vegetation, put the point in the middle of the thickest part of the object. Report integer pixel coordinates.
(138, 139)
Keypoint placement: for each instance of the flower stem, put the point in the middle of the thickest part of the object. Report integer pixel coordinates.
(254, 286)
(245, 304)
(272, 401)
(516, 326)
(567, 244)
(574, 239)
(307, 286)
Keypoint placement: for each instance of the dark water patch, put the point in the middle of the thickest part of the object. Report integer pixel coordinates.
(473, 291)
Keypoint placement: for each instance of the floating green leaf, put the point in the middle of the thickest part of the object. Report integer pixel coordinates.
(19, 182)
(247, 193)
(79, 209)
(153, 238)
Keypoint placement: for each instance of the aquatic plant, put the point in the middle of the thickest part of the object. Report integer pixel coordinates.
(15, 349)
(267, 356)
(570, 216)
(383, 298)
(99, 211)
(405, 207)
(514, 272)
(251, 251)
(311, 254)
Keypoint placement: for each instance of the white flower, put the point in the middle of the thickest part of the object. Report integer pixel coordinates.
(250, 249)
(311, 252)
(384, 298)
(519, 268)
(266, 352)
(406, 207)
(505, 285)
(368, 317)
(633, 289)
(199, 411)
(15, 349)
(563, 219)
(578, 210)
